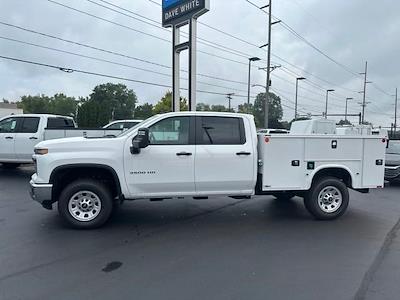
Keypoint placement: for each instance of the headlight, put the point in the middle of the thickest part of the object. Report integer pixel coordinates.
(41, 151)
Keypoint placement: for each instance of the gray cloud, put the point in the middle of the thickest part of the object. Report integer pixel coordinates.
(349, 31)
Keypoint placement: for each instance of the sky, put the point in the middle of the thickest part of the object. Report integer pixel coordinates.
(331, 42)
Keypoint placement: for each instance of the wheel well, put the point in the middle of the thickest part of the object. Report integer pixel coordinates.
(62, 176)
(339, 173)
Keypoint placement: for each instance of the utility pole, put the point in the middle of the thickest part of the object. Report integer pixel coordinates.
(229, 97)
(270, 23)
(364, 104)
(297, 91)
(347, 101)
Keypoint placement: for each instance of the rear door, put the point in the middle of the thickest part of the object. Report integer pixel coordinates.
(27, 137)
(224, 161)
(8, 128)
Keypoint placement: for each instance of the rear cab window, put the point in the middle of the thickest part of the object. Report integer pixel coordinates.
(220, 131)
(59, 123)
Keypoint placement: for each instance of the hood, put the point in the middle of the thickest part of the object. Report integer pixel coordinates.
(393, 159)
(78, 144)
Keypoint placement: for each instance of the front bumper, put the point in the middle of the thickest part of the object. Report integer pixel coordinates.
(392, 172)
(41, 192)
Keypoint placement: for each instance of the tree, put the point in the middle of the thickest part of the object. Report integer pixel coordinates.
(36, 104)
(60, 104)
(203, 107)
(275, 110)
(165, 104)
(108, 102)
(5, 101)
(142, 112)
(344, 122)
(246, 108)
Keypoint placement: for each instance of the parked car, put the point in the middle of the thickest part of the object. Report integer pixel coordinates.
(122, 124)
(392, 165)
(200, 154)
(20, 133)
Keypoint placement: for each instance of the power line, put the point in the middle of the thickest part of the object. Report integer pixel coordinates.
(112, 62)
(73, 70)
(155, 24)
(257, 46)
(299, 36)
(148, 34)
(113, 52)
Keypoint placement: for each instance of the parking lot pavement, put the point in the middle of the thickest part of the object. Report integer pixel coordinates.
(218, 248)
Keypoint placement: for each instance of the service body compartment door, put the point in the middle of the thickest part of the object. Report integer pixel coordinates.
(373, 163)
(283, 163)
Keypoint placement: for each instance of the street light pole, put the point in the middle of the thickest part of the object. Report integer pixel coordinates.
(297, 91)
(345, 114)
(249, 82)
(326, 104)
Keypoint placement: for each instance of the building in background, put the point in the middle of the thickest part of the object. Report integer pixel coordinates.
(7, 109)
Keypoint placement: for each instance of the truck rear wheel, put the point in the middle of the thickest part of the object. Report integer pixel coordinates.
(85, 204)
(327, 199)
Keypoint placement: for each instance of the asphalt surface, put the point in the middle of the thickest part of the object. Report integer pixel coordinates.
(218, 248)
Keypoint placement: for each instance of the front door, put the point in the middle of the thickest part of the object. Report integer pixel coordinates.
(166, 166)
(7, 138)
(224, 157)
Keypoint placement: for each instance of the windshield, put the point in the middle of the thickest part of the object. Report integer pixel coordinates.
(140, 125)
(394, 148)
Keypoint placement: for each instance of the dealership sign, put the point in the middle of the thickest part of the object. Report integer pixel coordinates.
(175, 12)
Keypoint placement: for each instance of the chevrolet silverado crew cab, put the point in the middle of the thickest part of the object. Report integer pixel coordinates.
(200, 154)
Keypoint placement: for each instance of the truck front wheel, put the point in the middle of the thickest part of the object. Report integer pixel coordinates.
(85, 204)
(327, 199)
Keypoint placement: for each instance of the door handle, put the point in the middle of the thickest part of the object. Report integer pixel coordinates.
(243, 153)
(184, 154)
(33, 138)
(9, 138)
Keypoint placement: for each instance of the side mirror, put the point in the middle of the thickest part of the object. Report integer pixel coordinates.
(141, 141)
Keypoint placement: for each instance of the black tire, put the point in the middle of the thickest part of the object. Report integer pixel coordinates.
(92, 186)
(284, 196)
(323, 210)
(11, 165)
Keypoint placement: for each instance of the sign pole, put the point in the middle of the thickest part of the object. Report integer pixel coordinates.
(175, 14)
(176, 69)
(192, 63)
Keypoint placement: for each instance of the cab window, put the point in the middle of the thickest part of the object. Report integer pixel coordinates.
(8, 125)
(171, 131)
(220, 131)
(29, 125)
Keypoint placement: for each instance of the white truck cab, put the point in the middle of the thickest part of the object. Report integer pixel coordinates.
(200, 154)
(20, 133)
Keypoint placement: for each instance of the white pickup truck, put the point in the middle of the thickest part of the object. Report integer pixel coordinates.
(20, 133)
(199, 154)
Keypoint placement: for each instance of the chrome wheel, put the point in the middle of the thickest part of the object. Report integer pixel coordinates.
(84, 206)
(330, 199)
